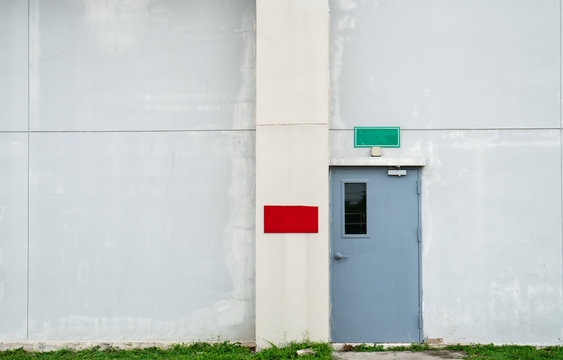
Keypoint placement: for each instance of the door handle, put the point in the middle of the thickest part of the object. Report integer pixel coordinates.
(340, 256)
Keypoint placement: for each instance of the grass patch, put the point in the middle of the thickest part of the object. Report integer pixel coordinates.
(476, 352)
(197, 351)
(508, 352)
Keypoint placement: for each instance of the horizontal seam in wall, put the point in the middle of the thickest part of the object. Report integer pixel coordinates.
(252, 130)
(294, 124)
(120, 131)
(462, 129)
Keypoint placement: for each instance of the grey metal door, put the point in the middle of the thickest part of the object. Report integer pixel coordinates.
(375, 252)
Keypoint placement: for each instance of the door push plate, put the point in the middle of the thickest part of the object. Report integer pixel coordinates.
(396, 172)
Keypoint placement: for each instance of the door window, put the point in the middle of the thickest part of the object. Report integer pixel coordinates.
(355, 209)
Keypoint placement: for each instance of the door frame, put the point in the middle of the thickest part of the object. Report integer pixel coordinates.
(418, 168)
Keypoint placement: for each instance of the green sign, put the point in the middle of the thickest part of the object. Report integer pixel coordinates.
(387, 137)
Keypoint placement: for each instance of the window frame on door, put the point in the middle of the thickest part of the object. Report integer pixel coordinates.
(343, 183)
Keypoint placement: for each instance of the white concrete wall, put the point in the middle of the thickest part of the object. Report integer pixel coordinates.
(292, 293)
(128, 159)
(13, 235)
(474, 86)
(13, 65)
(13, 169)
(141, 170)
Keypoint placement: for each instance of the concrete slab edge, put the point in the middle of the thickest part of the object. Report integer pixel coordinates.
(339, 346)
(44, 346)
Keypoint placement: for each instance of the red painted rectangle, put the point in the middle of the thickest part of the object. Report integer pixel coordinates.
(291, 219)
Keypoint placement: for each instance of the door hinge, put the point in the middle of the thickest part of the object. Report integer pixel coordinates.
(418, 234)
(420, 321)
(418, 186)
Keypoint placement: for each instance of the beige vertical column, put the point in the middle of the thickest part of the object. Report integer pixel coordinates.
(292, 77)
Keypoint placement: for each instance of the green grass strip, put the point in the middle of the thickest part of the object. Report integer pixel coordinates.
(197, 351)
(236, 351)
(509, 352)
